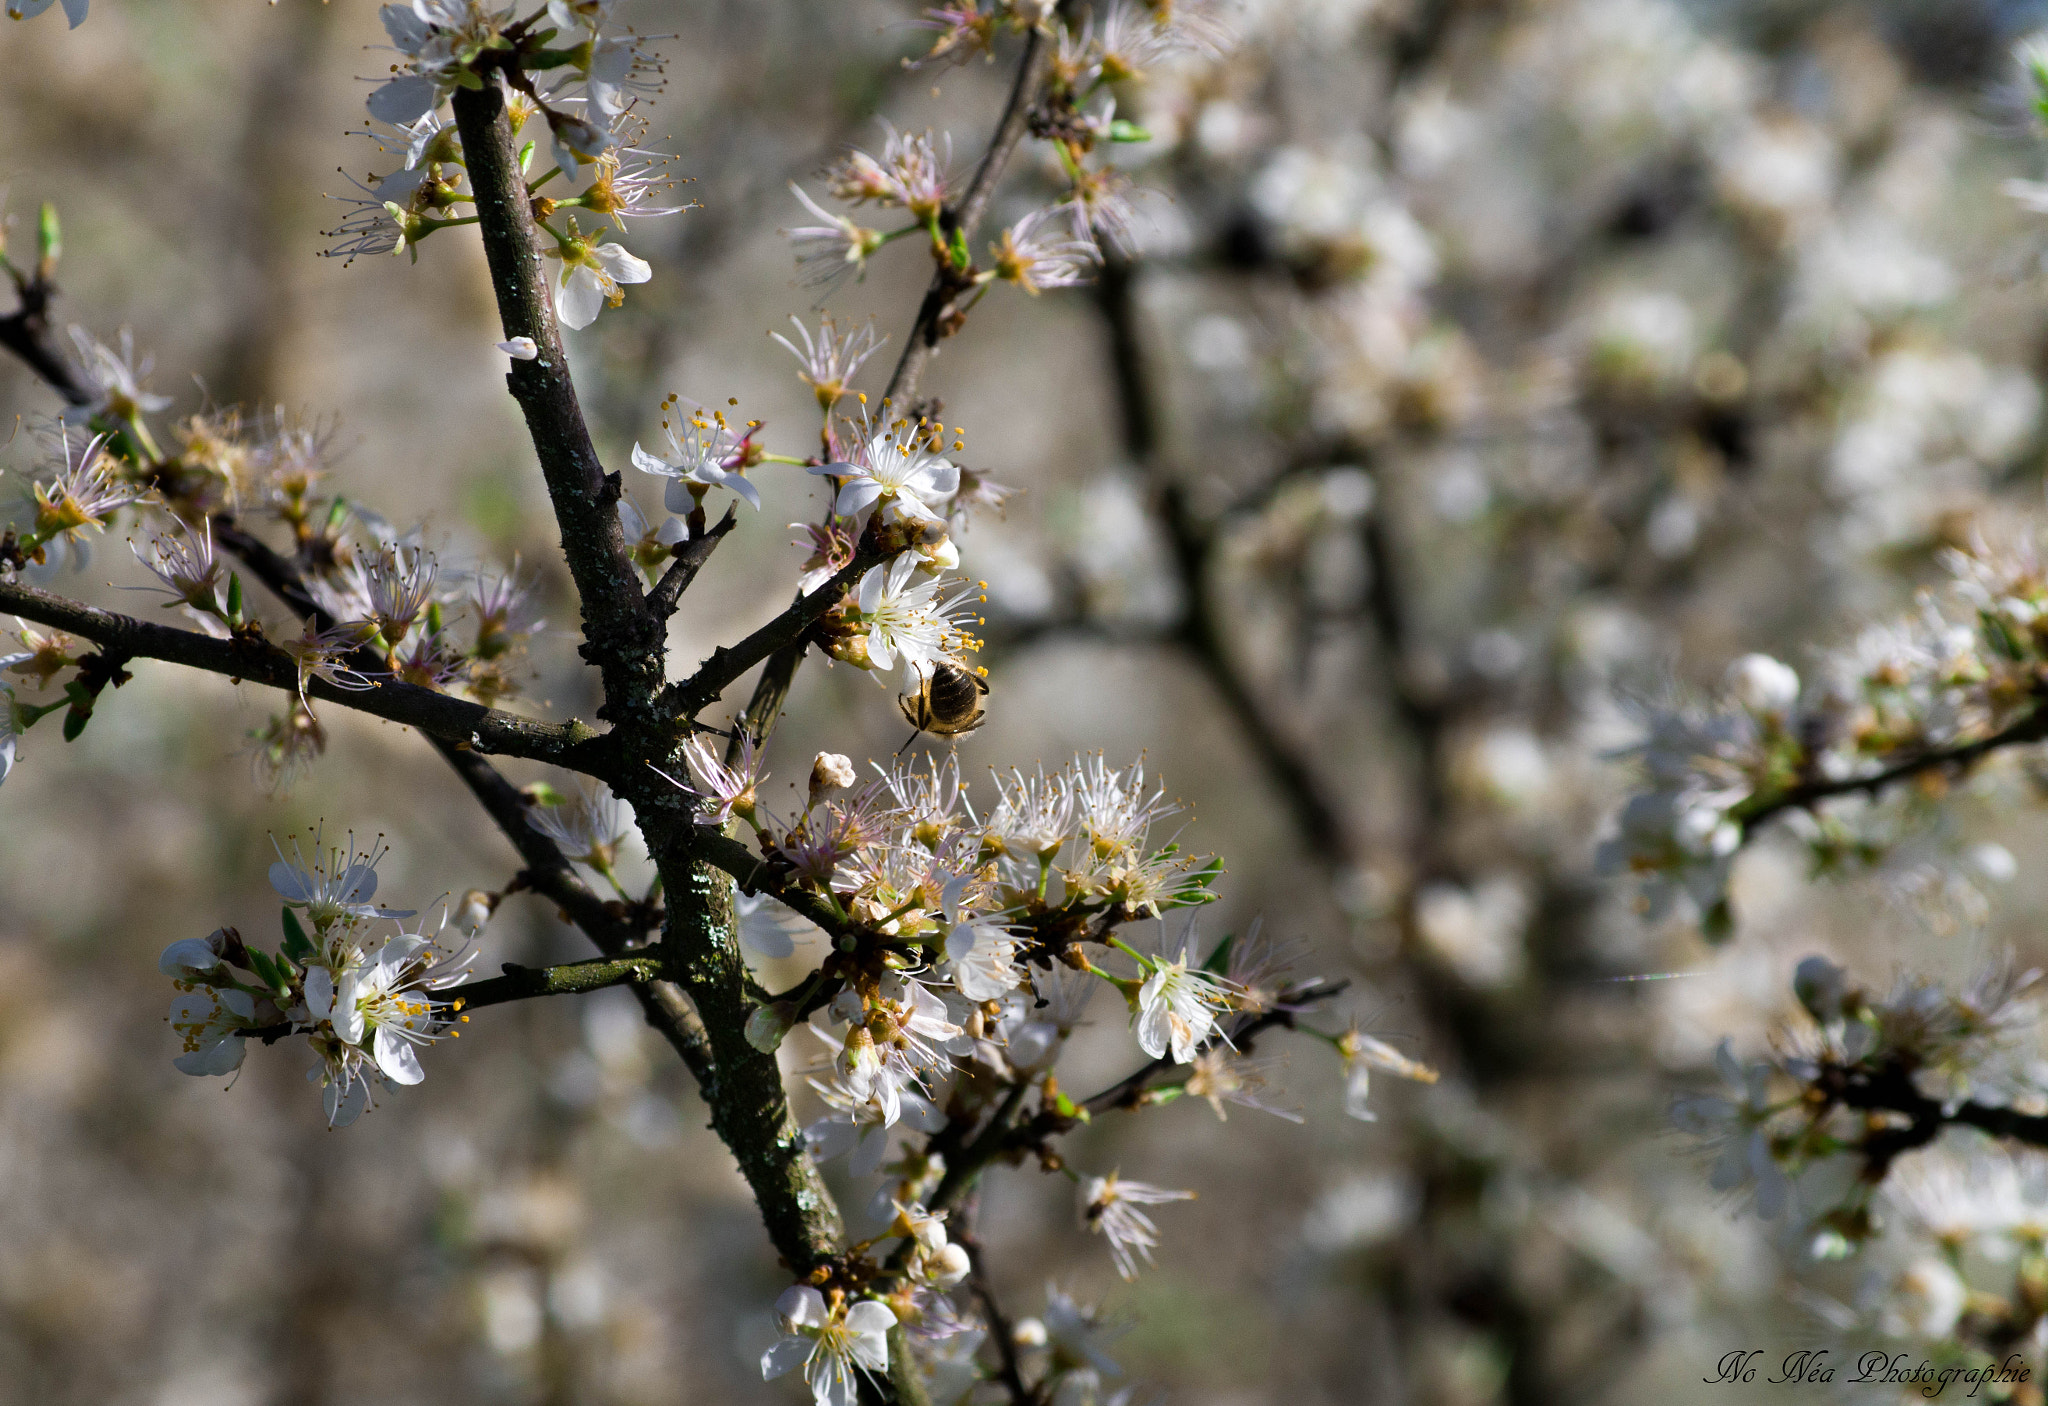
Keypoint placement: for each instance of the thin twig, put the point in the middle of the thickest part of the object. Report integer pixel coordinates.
(689, 560)
(572, 745)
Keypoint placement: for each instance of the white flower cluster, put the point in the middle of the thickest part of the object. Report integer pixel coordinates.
(586, 86)
(1957, 676)
(1807, 1127)
(363, 1001)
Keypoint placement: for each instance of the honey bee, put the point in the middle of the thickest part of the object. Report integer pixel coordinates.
(947, 702)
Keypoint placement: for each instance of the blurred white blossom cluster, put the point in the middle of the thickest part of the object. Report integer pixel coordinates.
(1932, 692)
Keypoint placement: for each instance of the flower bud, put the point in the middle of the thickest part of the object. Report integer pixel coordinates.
(475, 910)
(1763, 686)
(1028, 1332)
(947, 1266)
(768, 1025)
(830, 772)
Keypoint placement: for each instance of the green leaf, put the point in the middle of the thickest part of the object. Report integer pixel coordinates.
(74, 723)
(234, 597)
(1126, 131)
(296, 943)
(957, 250)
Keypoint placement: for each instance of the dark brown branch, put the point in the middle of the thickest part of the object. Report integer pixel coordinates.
(2031, 728)
(28, 334)
(688, 561)
(549, 873)
(457, 720)
(1890, 1089)
(786, 631)
(623, 637)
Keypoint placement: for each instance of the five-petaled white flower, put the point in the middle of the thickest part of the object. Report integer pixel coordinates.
(1178, 1005)
(699, 453)
(592, 275)
(338, 886)
(907, 621)
(898, 472)
(830, 1342)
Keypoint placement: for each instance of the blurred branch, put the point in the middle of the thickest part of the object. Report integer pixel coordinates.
(1890, 1089)
(466, 724)
(2031, 728)
(1316, 816)
(27, 333)
(1000, 1330)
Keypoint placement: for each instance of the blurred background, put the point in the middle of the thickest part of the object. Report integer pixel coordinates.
(1483, 365)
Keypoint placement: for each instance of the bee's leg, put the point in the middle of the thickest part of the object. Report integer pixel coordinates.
(906, 744)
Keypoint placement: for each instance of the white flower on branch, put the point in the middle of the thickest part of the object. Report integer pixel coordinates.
(210, 1023)
(909, 622)
(732, 790)
(832, 358)
(856, 1125)
(898, 469)
(83, 493)
(1177, 1006)
(318, 654)
(369, 1018)
(1047, 249)
(116, 376)
(332, 887)
(589, 827)
(1362, 1054)
(185, 562)
(702, 453)
(592, 276)
(828, 252)
(833, 1344)
(983, 959)
(1109, 1208)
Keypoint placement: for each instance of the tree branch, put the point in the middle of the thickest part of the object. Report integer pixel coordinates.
(689, 560)
(622, 635)
(964, 217)
(2031, 728)
(27, 333)
(786, 631)
(567, 979)
(457, 720)
(1317, 818)
(771, 690)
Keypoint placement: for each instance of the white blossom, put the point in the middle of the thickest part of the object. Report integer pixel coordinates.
(1109, 1207)
(830, 1343)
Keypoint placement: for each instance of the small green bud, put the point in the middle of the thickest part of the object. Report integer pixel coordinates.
(1123, 130)
(49, 241)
